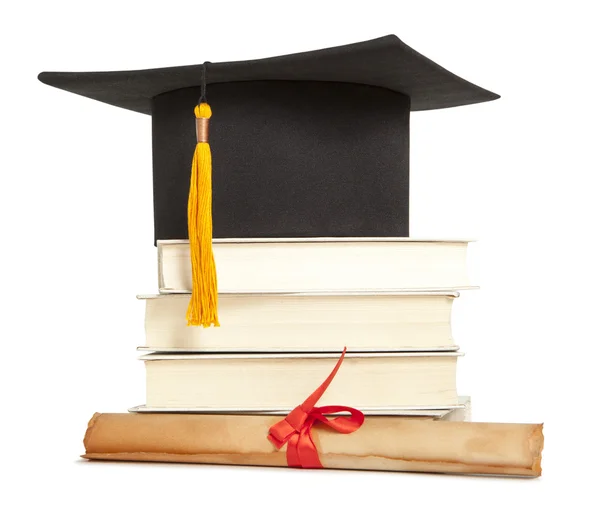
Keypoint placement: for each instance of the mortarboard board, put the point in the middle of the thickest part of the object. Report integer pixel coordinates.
(314, 144)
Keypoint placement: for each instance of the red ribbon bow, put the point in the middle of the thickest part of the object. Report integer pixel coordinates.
(295, 429)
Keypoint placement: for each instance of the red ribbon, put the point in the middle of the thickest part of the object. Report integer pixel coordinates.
(295, 429)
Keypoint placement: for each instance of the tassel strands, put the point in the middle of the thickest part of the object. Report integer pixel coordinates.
(202, 310)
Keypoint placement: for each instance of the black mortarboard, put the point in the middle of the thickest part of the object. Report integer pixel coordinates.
(314, 144)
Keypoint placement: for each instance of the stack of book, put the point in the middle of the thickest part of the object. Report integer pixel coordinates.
(308, 144)
(287, 308)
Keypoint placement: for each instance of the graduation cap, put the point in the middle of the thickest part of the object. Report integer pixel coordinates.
(314, 144)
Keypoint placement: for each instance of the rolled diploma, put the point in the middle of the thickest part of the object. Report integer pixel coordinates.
(389, 443)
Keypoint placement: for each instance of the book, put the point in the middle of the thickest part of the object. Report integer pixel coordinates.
(321, 264)
(281, 381)
(388, 443)
(267, 322)
(459, 412)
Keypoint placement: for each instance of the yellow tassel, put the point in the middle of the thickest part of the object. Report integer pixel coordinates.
(202, 310)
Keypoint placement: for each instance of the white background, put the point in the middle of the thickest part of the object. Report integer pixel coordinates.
(519, 174)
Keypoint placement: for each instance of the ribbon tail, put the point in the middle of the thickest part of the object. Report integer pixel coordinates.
(307, 450)
(292, 454)
(312, 400)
